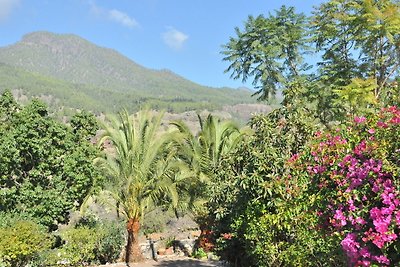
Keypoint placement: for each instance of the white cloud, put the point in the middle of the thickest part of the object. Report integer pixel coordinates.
(122, 18)
(174, 38)
(6, 7)
(113, 15)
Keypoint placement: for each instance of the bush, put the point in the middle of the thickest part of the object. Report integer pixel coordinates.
(21, 240)
(199, 253)
(80, 245)
(111, 240)
(260, 216)
(92, 241)
(354, 181)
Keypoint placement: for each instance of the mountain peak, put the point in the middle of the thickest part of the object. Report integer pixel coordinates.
(57, 44)
(44, 37)
(74, 60)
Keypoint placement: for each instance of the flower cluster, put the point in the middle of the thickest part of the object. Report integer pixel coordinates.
(355, 171)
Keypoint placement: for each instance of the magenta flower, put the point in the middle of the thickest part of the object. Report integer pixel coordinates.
(382, 259)
(382, 124)
(359, 119)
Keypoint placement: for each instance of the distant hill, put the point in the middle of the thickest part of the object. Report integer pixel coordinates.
(70, 71)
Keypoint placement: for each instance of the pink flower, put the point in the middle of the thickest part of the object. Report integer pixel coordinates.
(365, 253)
(377, 240)
(381, 259)
(371, 131)
(364, 263)
(360, 220)
(359, 119)
(395, 120)
(381, 124)
(351, 246)
(397, 218)
(339, 216)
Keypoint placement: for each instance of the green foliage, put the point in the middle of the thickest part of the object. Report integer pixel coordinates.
(91, 241)
(141, 169)
(79, 249)
(358, 43)
(110, 241)
(84, 124)
(358, 93)
(201, 154)
(22, 240)
(156, 220)
(45, 168)
(269, 49)
(259, 209)
(199, 253)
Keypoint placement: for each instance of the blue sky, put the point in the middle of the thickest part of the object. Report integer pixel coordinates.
(184, 36)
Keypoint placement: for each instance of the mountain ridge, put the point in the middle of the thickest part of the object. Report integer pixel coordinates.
(97, 72)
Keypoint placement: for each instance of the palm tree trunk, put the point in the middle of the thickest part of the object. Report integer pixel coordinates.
(133, 252)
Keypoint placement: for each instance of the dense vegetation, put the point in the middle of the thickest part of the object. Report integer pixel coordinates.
(313, 183)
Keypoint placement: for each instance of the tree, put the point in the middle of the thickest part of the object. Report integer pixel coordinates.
(270, 50)
(359, 44)
(140, 170)
(258, 206)
(45, 169)
(215, 139)
(202, 154)
(358, 39)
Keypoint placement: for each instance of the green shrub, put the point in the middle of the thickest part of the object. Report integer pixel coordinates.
(111, 240)
(80, 245)
(91, 241)
(21, 240)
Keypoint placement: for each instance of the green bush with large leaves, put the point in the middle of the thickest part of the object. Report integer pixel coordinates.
(46, 166)
(259, 213)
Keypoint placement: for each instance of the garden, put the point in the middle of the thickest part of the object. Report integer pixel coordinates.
(315, 182)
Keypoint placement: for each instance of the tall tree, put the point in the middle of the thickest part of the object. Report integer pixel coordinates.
(140, 169)
(359, 40)
(45, 169)
(269, 50)
(202, 154)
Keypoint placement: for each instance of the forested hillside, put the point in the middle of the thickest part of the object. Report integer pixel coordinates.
(82, 75)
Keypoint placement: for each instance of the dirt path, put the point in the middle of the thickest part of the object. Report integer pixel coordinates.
(170, 262)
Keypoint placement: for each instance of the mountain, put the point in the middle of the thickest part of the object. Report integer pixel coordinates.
(79, 74)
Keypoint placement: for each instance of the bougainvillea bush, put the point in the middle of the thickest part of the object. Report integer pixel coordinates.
(354, 181)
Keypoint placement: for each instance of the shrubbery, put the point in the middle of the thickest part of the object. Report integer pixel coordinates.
(91, 242)
(260, 216)
(354, 174)
(22, 240)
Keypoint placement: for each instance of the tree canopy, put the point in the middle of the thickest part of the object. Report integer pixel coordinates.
(357, 43)
(46, 168)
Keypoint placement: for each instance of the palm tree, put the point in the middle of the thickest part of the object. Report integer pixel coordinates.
(140, 169)
(204, 150)
(202, 153)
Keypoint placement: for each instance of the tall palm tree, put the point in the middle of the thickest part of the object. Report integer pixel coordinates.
(203, 151)
(140, 169)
